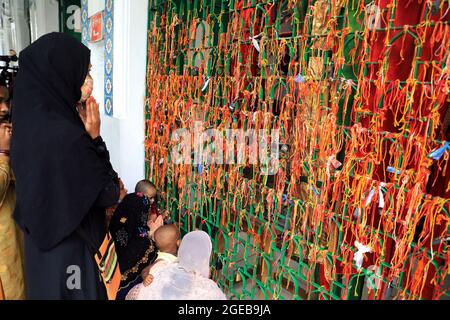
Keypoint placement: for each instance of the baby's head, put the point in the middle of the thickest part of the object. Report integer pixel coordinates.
(167, 238)
(147, 188)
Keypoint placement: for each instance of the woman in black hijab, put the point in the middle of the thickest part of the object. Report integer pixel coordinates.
(64, 177)
(130, 231)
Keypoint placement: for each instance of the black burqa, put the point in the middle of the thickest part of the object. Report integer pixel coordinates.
(129, 229)
(63, 181)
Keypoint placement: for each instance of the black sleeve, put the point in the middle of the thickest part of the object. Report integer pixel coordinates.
(110, 194)
(102, 151)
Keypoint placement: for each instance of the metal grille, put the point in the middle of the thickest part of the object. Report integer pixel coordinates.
(359, 207)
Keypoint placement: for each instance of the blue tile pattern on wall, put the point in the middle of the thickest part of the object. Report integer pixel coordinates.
(109, 61)
(84, 22)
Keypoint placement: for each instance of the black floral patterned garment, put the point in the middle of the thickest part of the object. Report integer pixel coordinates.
(135, 250)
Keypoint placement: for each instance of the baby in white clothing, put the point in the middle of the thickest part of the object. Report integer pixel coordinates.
(167, 239)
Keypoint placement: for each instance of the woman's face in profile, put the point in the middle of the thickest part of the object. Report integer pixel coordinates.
(87, 87)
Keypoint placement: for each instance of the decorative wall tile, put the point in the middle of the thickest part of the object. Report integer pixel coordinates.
(109, 50)
(84, 22)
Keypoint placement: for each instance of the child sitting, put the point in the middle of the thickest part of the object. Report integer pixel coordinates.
(167, 240)
(134, 248)
(189, 277)
(148, 189)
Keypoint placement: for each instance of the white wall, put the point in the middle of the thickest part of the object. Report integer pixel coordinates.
(110, 126)
(14, 30)
(98, 70)
(15, 33)
(95, 6)
(6, 43)
(124, 132)
(110, 132)
(19, 26)
(44, 17)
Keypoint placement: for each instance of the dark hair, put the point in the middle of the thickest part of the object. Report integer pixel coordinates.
(144, 185)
